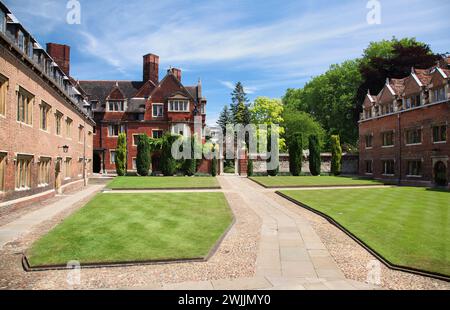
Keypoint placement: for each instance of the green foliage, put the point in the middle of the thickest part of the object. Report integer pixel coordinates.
(225, 118)
(250, 167)
(238, 96)
(143, 157)
(242, 115)
(314, 155)
(121, 154)
(214, 166)
(301, 122)
(190, 165)
(295, 154)
(336, 155)
(168, 163)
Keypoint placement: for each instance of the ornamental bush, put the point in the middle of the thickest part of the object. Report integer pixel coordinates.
(250, 167)
(121, 155)
(295, 154)
(314, 155)
(143, 157)
(336, 155)
(214, 163)
(168, 163)
(190, 165)
(274, 154)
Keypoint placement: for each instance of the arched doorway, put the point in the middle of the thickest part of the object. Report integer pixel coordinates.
(97, 163)
(440, 174)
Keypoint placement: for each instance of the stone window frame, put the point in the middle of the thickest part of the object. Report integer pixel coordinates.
(4, 86)
(157, 130)
(58, 123)
(132, 138)
(44, 165)
(3, 159)
(68, 125)
(171, 105)
(371, 141)
(44, 116)
(408, 130)
(22, 176)
(121, 130)
(371, 166)
(410, 175)
(383, 170)
(446, 133)
(383, 140)
(111, 157)
(153, 111)
(68, 168)
(26, 116)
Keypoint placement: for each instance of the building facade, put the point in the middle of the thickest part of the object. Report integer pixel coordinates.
(46, 136)
(151, 106)
(404, 130)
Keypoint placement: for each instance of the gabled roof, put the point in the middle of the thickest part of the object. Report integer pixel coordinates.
(170, 75)
(146, 89)
(422, 75)
(397, 85)
(100, 90)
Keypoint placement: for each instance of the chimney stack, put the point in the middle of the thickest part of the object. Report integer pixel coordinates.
(61, 55)
(151, 68)
(177, 73)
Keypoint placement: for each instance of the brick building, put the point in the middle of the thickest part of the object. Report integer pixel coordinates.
(151, 106)
(404, 135)
(46, 136)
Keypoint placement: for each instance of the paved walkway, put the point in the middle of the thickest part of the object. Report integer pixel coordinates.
(291, 255)
(26, 223)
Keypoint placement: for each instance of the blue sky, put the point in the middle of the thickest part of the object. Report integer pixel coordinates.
(268, 45)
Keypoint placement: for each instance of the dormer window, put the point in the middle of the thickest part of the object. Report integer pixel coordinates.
(413, 101)
(439, 94)
(94, 104)
(2, 22)
(178, 106)
(21, 40)
(116, 106)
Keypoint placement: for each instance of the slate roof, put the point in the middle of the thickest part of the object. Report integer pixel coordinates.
(398, 85)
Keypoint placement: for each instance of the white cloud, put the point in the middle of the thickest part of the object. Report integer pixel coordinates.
(230, 85)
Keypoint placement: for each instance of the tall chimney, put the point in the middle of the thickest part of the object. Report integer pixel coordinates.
(61, 55)
(151, 68)
(177, 73)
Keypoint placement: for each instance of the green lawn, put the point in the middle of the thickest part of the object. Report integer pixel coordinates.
(408, 226)
(135, 227)
(163, 182)
(310, 181)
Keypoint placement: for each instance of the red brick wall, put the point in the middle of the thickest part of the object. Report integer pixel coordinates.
(425, 118)
(21, 138)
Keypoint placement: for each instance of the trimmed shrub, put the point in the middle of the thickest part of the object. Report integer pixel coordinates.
(336, 155)
(274, 153)
(168, 163)
(250, 167)
(143, 157)
(214, 164)
(121, 155)
(314, 155)
(190, 165)
(295, 154)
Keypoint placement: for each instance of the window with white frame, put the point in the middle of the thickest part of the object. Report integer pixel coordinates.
(178, 105)
(115, 130)
(112, 156)
(44, 171)
(116, 106)
(157, 134)
(368, 165)
(3, 94)
(23, 172)
(158, 110)
(25, 106)
(414, 136)
(388, 138)
(415, 168)
(440, 133)
(136, 138)
(369, 140)
(134, 165)
(388, 167)
(439, 94)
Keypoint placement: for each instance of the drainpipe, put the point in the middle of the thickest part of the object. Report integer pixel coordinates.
(84, 154)
(399, 149)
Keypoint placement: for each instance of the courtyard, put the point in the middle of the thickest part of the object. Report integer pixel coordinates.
(273, 243)
(309, 181)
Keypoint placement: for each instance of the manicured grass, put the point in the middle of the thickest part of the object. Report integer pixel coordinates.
(408, 226)
(135, 227)
(310, 181)
(162, 182)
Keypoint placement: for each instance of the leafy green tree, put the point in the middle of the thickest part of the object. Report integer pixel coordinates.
(225, 118)
(143, 157)
(301, 122)
(314, 155)
(242, 115)
(336, 155)
(295, 154)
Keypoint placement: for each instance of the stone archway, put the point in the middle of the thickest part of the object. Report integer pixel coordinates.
(440, 173)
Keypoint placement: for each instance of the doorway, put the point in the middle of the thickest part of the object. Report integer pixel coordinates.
(440, 174)
(97, 163)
